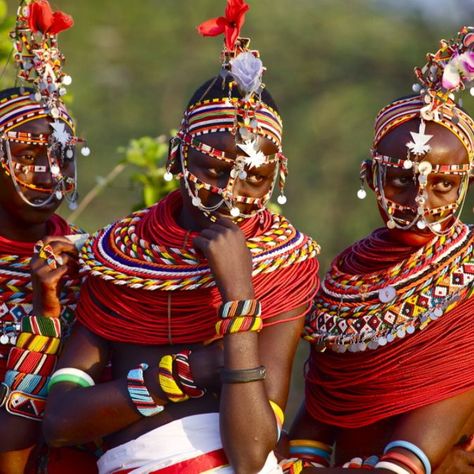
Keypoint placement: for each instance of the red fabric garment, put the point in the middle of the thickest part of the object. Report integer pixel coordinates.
(351, 390)
(120, 313)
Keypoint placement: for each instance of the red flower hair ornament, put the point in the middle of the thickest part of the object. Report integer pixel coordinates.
(229, 25)
(42, 18)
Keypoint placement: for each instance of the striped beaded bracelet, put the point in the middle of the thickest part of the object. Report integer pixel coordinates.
(184, 376)
(41, 326)
(168, 384)
(27, 383)
(30, 362)
(71, 375)
(238, 324)
(139, 394)
(232, 309)
(37, 343)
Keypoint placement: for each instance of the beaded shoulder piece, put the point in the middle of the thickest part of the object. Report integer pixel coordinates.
(117, 254)
(359, 312)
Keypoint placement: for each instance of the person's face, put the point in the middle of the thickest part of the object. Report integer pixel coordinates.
(24, 156)
(211, 170)
(402, 185)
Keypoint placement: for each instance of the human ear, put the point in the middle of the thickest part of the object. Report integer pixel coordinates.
(366, 173)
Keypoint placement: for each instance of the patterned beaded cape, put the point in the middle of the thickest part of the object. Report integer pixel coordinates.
(417, 311)
(359, 312)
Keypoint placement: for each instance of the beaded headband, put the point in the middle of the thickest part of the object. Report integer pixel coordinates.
(246, 117)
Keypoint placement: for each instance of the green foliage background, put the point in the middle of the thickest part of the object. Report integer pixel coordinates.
(331, 65)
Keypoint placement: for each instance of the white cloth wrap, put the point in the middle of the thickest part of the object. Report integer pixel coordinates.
(174, 442)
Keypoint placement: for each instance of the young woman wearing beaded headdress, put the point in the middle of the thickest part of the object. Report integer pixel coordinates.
(37, 171)
(389, 378)
(207, 262)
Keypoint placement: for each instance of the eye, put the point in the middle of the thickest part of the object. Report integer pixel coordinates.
(255, 178)
(400, 181)
(443, 186)
(215, 173)
(27, 157)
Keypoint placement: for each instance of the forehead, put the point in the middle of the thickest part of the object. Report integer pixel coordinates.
(37, 126)
(446, 148)
(225, 141)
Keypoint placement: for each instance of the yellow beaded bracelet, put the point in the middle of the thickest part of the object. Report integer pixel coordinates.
(37, 343)
(167, 382)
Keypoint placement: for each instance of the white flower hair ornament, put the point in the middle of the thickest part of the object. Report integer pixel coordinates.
(247, 71)
(459, 69)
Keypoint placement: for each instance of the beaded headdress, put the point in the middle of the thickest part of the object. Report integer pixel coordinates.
(42, 86)
(244, 115)
(448, 71)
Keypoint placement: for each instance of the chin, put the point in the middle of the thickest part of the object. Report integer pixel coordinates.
(412, 237)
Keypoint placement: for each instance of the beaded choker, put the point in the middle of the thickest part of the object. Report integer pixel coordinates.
(359, 311)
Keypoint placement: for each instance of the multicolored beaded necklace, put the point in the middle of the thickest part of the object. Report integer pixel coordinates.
(117, 254)
(359, 311)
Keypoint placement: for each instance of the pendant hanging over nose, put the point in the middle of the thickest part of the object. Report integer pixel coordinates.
(235, 212)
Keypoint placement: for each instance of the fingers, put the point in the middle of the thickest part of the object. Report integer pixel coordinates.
(59, 244)
(53, 253)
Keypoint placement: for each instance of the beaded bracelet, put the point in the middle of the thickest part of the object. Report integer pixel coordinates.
(30, 362)
(141, 398)
(295, 466)
(42, 326)
(36, 343)
(279, 417)
(25, 405)
(238, 324)
(167, 382)
(391, 466)
(311, 450)
(402, 459)
(413, 449)
(27, 383)
(185, 377)
(243, 375)
(71, 375)
(359, 463)
(232, 309)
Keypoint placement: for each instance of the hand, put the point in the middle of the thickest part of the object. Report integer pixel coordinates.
(46, 278)
(205, 363)
(460, 460)
(223, 244)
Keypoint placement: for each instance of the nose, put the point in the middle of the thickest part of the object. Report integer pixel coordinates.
(44, 179)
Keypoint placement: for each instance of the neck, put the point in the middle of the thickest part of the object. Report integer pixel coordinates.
(19, 231)
(411, 238)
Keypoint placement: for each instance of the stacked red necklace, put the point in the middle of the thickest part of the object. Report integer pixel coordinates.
(149, 251)
(357, 308)
(15, 287)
